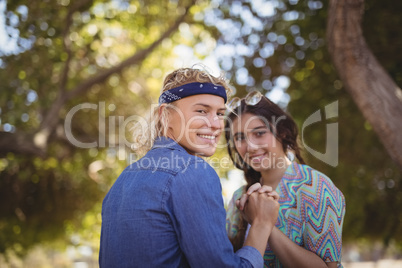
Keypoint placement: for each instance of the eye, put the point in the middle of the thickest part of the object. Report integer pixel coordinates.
(220, 114)
(260, 133)
(239, 137)
(201, 111)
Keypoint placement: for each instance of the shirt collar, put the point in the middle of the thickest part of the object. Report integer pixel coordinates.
(165, 142)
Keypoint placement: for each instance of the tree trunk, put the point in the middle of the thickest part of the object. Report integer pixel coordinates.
(372, 89)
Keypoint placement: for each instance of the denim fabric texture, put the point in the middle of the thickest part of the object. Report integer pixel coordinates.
(166, 210)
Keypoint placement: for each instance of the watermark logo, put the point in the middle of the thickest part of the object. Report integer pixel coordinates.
(330, 156)
(117, 126)
(119, 134)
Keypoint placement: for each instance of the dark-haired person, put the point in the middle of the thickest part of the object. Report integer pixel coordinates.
(166, 209)
(263, 143)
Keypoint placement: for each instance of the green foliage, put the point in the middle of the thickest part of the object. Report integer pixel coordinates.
(59, 194)
(366, 175)
(39, 195)
(63, 45)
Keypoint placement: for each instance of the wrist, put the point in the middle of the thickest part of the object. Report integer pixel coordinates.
(258, 235)
(262, 225)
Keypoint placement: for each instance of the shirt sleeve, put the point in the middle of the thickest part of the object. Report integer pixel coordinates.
(324, 214)
(199, 221)
(233, 214)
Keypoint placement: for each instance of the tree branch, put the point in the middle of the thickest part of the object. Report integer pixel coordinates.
(50, 121)
(372, 89)
(18, 143)
(67, 48)
(77, 6)
(52, 116)
(134, 59)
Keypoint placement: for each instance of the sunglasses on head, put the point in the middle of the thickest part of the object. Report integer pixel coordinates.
(251, 98)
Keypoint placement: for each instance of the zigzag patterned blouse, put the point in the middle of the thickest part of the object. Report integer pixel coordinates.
(311, 213)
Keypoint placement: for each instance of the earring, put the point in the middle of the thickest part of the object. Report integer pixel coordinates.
(290, 155)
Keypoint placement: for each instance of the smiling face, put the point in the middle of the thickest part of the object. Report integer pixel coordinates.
(256, 144)
(196, 123)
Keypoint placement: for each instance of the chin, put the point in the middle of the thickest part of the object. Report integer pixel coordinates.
(207, 152)
(257, 168)
(204, 152)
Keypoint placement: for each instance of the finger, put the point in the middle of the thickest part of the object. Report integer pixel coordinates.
(242, 201)
(265, 189)
(274, 194)
(237, 203)
(253, 188)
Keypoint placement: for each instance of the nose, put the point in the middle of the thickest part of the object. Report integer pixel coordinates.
(251, 146)
(215, 122)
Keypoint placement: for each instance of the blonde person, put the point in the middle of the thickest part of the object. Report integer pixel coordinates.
(263, 143)
(166, 209)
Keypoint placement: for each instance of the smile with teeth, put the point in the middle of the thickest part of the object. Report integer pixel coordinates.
(210, 137)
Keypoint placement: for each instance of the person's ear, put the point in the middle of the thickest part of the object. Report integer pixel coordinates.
(161, 108)
(164, 118)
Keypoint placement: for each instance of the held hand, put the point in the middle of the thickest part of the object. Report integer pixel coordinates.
(240, 203)
(262, 208)
(256, 187)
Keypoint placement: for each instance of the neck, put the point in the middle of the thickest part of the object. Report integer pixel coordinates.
(273, 176)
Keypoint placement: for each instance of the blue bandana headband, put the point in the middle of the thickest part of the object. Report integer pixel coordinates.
(191, 89)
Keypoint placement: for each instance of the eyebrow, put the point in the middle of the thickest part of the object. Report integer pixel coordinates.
(209, 106)
(260, 127)
(254, 129)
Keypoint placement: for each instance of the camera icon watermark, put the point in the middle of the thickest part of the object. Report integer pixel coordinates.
(331, 154)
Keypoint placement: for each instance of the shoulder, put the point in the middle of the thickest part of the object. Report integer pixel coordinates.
(319, 186)
(171, 160)
(311, 176)
(194, 173)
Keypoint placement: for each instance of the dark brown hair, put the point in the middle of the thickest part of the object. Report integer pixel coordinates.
(285, 131)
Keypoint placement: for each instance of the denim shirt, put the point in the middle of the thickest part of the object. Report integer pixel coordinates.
(166, 210)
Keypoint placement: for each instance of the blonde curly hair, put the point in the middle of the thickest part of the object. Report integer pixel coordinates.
(156, 126)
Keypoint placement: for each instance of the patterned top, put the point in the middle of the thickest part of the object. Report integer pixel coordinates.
(311, 213)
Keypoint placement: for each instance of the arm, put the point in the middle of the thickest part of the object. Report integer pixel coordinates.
(259, 213)
(292, 255)
(263, 215)
(289, 253)
(322, 216)
(199, 222)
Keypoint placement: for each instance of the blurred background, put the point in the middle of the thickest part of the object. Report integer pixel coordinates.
(76, 75)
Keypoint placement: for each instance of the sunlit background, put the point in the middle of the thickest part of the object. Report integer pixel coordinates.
(58, 55)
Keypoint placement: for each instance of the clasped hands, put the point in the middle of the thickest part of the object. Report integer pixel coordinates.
(259, 203)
